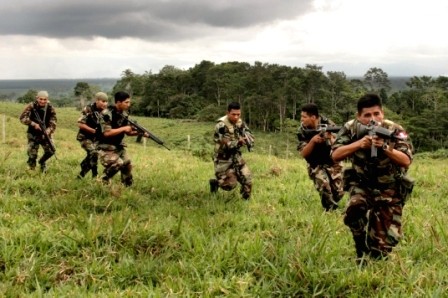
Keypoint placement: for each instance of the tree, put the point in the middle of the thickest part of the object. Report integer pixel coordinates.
(376, 80)
(28, 97)
(83, 92)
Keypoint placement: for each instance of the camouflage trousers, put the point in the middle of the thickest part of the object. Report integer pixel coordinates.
(230, 172)
(328, 182)
(374, 218)
(115, 161)
(33, 149)
(90, 162)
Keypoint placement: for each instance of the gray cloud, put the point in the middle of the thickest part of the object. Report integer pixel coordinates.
(151, 20)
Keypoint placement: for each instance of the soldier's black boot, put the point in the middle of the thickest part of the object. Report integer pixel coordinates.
(31, 163)
(43, 167)
(361, 247)
(94, 172)
(214, 185)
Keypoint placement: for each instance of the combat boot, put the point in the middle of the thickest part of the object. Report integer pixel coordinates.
(105, 180)
(43, 167)
(94, 172)
(361, 246)
(214, 185)
(31, 163)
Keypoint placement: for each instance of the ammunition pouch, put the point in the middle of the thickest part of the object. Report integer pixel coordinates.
(349, 179)
(405, 187)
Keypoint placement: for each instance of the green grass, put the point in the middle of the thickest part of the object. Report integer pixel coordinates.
(166, 236)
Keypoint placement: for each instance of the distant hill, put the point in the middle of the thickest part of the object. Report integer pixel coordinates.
(12, 89)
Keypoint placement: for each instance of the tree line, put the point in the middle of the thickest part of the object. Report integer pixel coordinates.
(272, 94)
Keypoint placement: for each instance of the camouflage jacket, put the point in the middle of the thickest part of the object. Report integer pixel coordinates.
(379, 172)
(29, 118)
(90, 115)
(321, 152)
(226, 138)
(111, 118)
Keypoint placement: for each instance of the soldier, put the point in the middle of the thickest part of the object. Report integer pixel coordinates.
(89, 130)
(378, 186)
(230, 167)
(112, 149)
(40, 111)
(315, 148)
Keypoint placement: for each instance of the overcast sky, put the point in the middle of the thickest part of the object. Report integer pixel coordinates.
(102, 38)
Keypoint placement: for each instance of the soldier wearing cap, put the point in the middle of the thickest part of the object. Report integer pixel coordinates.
(89, 133)
(39, 111)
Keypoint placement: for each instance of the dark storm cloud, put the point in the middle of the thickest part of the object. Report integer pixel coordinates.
(152, 20)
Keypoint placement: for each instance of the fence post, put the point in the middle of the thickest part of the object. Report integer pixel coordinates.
(188, 142)
(4, 128)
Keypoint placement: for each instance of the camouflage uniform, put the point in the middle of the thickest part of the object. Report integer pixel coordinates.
(112, 150)
(325, 173)
(378, 189)
(36, 137)
(90, 116)
(230, 166)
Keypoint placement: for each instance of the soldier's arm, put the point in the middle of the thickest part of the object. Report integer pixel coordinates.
(82, 121)
(308, 147)
(53, 121)
(224, 142)
(25, 117)
(344, 146)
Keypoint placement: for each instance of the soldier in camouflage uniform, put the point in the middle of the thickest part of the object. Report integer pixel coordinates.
(315, 148)
(378, 186)
(229, 164)
(47, 115)
(112, 149)
(89, 130)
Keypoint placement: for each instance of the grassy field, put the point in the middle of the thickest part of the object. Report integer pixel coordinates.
(166, 236)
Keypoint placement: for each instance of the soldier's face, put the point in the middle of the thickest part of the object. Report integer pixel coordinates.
(123, 105)
(234, 115)
(101, 104)
(372, 113)
(42, 101)
(308, 120)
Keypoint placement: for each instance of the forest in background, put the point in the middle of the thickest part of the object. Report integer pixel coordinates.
(272, 94)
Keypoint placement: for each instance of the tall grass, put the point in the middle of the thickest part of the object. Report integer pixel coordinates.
(167, 236)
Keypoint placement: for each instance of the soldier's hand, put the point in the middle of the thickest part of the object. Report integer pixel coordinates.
(127, 129)
(37, 127)
(377, 141)
(318, 139)
(241, 142)
(366, 142)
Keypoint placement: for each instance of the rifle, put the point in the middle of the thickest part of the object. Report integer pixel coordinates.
(44, 131)
(321, 129)
(141, 129)
(249, 138)
(98, 132)
(373, 129)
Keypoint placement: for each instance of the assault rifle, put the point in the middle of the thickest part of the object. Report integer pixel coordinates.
(98, 132)
(321, 129)
(44, 131)
(373, 129)
(143, 130)
(249, 138)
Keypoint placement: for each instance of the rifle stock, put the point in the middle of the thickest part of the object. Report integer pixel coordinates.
(141, 129)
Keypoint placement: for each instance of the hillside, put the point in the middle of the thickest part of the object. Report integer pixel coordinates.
(12, 89)
(167, 236)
